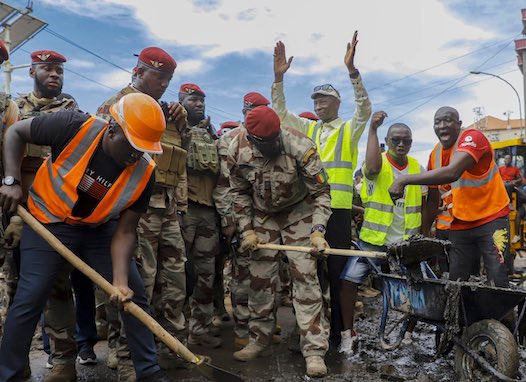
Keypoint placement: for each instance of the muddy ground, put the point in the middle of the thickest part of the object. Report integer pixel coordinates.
(414, 362)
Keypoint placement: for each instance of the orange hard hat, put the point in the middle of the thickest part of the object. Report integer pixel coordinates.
(142, 120)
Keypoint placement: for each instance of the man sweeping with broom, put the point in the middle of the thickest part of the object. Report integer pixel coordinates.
(90, 193)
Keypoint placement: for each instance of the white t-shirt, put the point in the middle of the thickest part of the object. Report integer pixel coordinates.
(397, 228)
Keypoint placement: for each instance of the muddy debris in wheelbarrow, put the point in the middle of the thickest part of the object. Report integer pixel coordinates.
(416, 249)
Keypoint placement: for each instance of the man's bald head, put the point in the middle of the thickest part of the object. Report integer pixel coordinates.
(448, 109)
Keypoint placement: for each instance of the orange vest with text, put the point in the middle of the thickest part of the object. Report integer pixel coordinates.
(53, 193)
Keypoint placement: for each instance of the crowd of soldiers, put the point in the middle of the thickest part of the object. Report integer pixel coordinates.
(276, 177)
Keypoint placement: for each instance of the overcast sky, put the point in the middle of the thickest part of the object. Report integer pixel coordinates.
(414, 55)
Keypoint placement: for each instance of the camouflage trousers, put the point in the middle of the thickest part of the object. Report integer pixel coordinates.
(240, 289)
(307, 295)
(201, 235)
(161, 258)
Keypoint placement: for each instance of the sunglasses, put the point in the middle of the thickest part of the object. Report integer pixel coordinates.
(397, 141)
(261, 141)
(326, 87)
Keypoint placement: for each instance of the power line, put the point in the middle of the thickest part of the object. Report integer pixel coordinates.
(445, 62)
(80, 75)
(69, 41)
(451, 86)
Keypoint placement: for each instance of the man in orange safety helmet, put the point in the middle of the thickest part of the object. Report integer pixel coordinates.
(90, 193)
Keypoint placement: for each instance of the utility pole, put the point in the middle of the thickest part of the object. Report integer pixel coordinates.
(520, 48)
(479, 112)
(17, 27)
(507, 113)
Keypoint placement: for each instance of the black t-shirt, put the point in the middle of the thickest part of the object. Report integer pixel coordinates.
(56, 130)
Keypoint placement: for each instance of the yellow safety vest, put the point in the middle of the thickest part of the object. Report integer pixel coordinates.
(379, 206)
(338, 160)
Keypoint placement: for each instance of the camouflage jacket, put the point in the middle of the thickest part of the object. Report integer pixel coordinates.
(289, 188)
(162, 197)
(201, 184)
(222, 195)
(29, 107)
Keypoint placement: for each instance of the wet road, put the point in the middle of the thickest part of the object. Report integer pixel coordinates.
(413, 362)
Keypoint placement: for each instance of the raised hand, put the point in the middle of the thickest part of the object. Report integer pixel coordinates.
(378, 119)
(349, 54)
(281, 64)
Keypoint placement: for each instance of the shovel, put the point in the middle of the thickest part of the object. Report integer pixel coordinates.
(209, 371)
(408, 252)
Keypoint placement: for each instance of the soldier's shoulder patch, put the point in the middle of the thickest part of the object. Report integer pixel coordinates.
(308, 154)
(322, 176)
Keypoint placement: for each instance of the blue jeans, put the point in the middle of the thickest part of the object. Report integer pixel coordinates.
(358, 268)
(40, 266)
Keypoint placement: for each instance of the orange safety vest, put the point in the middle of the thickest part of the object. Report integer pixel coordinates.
(475, 197)
(444, 218)
(53, 193)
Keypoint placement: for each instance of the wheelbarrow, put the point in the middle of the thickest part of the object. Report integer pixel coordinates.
(486, 348)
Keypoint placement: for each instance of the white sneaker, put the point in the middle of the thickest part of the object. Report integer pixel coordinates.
(515, 239)
(349, 344)
(408, 338)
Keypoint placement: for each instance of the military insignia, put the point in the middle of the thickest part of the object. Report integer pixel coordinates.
(43, 57)
(248, 104)
(322, 177)
(189, 90)
(310, 152)
(156, 64)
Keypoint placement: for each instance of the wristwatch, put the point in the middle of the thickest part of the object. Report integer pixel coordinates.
(319, 228)
(10, 181)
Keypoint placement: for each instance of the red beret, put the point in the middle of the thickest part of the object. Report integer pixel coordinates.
(46, 57)
(253, 99)
(262, 122)
(4, 54)
(309, 115)
(191, 89)
(225, 126)
(157, 59)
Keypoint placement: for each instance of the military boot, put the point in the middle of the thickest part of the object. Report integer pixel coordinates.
(126, 373)
(240, 342)
(252, 351)
(205, 340)
(316, 366)
(62, 373)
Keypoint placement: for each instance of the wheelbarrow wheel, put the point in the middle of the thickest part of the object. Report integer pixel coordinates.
(495, 343)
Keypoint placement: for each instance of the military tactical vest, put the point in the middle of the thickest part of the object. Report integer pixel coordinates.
(28, 109)
(171, 164)
(202, 152)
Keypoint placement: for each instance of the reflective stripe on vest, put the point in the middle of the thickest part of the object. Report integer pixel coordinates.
(338, 160)
(475, 197)
(443, 219)
(53, 194)
(379, 207)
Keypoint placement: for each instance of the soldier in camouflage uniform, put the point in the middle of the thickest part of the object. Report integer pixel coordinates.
(161, 252)
(281, 195)
(224, 205)
(47, 71)
(10, 238)
(200, 224)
